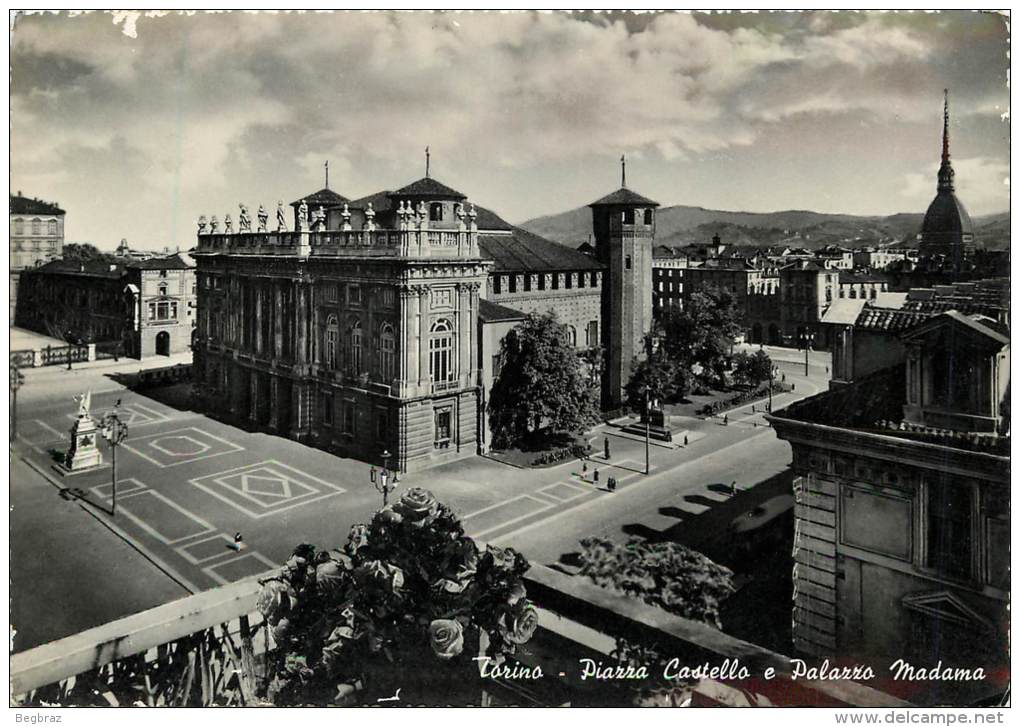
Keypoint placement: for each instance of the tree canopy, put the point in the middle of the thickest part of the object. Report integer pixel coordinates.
(668, 575)
(752, 368)
(703, 332)
(86, 251)
(543, 384)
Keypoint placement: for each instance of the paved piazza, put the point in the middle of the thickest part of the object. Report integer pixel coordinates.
(188, 483)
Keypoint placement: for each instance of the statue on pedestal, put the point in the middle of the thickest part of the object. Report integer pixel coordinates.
(202, 223)
(213, 225)
(243, 220)
(303, 216)
(228, 225)
(83, 453)
(263, 219)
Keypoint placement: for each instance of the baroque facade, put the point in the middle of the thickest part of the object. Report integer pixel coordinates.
(374, 326)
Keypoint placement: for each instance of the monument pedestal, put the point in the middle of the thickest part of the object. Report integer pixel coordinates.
(84, 451)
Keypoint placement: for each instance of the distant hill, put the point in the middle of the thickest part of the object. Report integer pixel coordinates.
(681, 225)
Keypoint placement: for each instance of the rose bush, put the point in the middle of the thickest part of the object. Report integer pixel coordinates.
(405, 587)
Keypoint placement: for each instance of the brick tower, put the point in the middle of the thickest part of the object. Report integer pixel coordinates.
(624, 228)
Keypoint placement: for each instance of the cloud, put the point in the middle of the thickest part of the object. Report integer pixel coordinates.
(217, 104)
(982, 184)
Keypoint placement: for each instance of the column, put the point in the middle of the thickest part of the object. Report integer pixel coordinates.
(303, 323)
(463, 334)
(253, 407)
(257, 294)
(406, 326)
(278, 323)
(274, 402)
(423, 337)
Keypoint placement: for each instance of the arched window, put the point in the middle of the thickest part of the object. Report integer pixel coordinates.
(387, 352)
(441, 361)
(436, 212)
(354, 347)
(332, 334)
(162, 290)
(572, 335)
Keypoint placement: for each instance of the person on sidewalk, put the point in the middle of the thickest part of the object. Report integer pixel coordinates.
(611, 484)
(596, 480)
(238, 544)
(605, 447)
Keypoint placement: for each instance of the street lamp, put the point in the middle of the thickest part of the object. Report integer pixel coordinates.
(648, 420)
(773, 370)
(114, 431)
(383, 483)
(17, 379)
(807, 339)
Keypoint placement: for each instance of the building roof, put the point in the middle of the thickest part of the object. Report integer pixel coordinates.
(525, 252)
(809, 265)
(490, 312)
(946, 217)
(90, 268)
(428, 187)
(861, 277)
(31, 206)
(385, 202)
(889, 319)
(324, 198)
(844, 311)
(981, 325)
(171, 262)
(624, 196)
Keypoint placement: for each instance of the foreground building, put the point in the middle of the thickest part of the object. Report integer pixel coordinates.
(146, 307)
(902, 503)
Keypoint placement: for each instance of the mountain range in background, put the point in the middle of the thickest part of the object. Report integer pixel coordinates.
(679, 225)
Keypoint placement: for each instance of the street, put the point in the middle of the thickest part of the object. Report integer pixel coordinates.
(187, 484)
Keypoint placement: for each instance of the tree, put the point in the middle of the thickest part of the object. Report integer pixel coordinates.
(664, 378)
(703, 332)
(86, 251)
(543, 383)
(408, 602)
(752, 368)
(667, 575)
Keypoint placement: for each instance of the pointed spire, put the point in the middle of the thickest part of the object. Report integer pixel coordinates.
(623, 170)
(946, 173)
(426, 162)
(327, 174)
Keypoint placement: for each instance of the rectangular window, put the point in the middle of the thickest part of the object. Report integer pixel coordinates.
(354, 295)
(349, 412)
(327, 409)
(496, 284)
(331, 292)
(382, 425)
(388, 297)
(593, 331)
(512, 287)
(497, 365)
(627, 262)
(444, 418)
(541, 282)
(628, 217)
(949, 508)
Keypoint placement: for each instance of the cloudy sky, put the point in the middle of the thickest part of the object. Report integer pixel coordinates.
(138, 125)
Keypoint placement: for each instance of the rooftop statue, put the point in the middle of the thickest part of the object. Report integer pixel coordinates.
(202, 224)
(228, 225)
(263, 219)
(213, 225)
(281, 218)
(303, 214)
(243, 220)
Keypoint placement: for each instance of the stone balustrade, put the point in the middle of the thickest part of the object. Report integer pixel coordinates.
(412, 243)
(202, 640)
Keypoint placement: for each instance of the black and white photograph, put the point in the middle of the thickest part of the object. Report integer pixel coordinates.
(436, 358)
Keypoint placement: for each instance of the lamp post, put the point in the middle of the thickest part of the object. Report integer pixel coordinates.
(114, 431)
(807, 339)
(383, 483)
(17, 379)
(773, 370)
(648, 421)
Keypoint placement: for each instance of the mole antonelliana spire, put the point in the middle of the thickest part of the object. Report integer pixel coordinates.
(946, 173)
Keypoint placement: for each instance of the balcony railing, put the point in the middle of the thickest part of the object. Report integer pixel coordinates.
(209, 649)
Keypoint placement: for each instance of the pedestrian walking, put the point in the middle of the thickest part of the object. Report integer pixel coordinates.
(611, 484)
(784, 378)
(752, 409)
(596, 475)
(584, 468)
(605, 446)
(685, 440)
(238, 541)
(726, 420)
